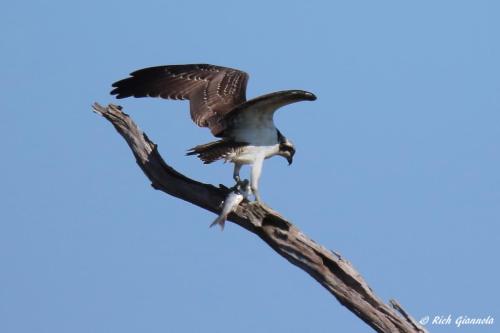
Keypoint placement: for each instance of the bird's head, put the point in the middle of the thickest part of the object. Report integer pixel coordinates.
(286, 148)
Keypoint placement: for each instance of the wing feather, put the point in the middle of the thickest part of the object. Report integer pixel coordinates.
(252, 121)
(213, 91)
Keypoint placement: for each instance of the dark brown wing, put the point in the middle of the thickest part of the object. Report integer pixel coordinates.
(257, 114)
(213, 91)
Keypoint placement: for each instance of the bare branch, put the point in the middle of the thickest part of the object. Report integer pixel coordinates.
(395, 304)
(331, 270)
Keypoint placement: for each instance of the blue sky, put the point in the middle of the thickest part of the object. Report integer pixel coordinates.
(397, 164)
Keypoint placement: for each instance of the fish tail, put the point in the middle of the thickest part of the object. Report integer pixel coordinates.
(220, 220)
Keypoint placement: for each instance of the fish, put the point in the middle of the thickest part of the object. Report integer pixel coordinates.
(239, 192)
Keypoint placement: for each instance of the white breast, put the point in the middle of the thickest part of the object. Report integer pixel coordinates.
(249, 154)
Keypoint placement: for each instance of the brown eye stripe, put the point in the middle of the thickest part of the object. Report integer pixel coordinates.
(288, 148)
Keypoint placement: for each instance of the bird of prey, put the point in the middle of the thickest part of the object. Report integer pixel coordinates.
(218, 101)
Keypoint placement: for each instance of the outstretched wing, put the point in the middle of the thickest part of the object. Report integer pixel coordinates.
(213, 91)
(252, 121)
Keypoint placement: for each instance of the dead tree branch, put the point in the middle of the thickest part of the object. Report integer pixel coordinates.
(331, 270)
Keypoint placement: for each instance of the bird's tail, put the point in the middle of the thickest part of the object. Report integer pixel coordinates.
(216, 150)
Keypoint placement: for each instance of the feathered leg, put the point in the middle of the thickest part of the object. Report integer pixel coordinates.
(255, 176)
(236, 172)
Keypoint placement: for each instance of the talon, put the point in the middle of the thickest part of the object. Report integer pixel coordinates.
(257, 195)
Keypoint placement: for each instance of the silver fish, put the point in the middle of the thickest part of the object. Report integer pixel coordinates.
(234, 198)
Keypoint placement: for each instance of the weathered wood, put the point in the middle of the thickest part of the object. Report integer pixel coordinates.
(331, 270)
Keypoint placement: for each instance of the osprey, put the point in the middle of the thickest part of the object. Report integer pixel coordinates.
(217, 98)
